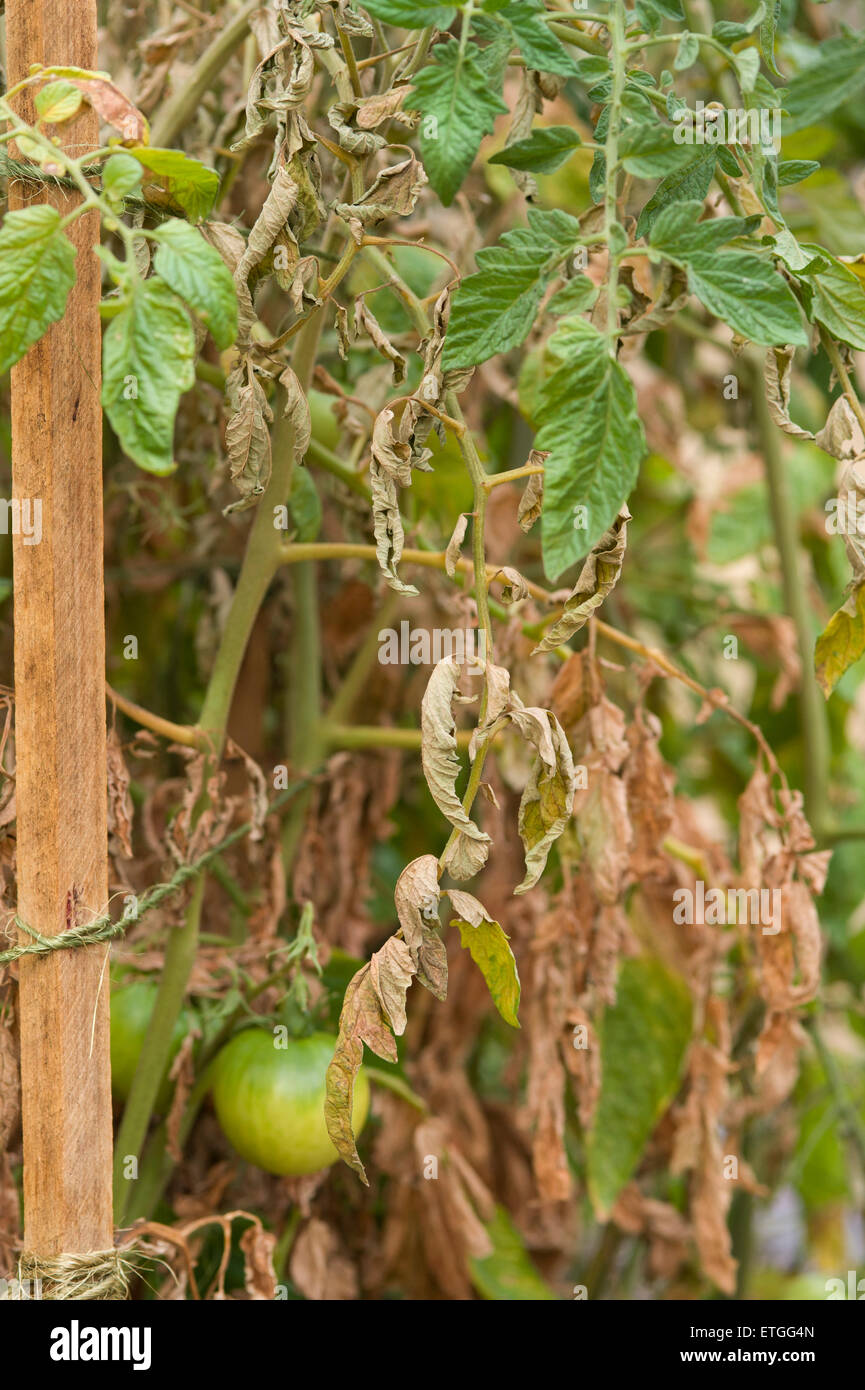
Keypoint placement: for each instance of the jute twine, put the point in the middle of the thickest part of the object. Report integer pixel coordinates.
(99, 1276)
(103, 928)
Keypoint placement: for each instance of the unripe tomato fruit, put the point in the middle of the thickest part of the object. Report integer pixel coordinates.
(325, 426)
(270, 1101)
(131, 1007)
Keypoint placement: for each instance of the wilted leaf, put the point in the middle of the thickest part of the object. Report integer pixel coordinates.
(489, 949)
(362, 1021)
(441, 764)
(598, 577)
(842, 642)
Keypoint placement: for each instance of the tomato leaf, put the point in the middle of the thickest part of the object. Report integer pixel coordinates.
(188, 183)
(37, 271)
(148, 361)
(488, 947)
(738, 286)
(508, 1275)
(458, 109)
(540, 47)
(587, 418)
(841, 643)
(494, 309)
(643, 1038)
(834, 296)
(195, 270)
(542, 152)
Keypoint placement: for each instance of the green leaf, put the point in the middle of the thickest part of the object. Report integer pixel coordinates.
(767, 34)
(649, 150)
(544, 151)
(58, 101)
(689, 183)
(507, 1275)
(587, 418)
(575, 296)
(837, 73)
(737, 286)
(643, 1039)
(148, 361)
(537, 42)
(687, 53)
(488, 947)
(834, 297)
(796, 170)
(842, 643)
(458, 109)
(495, 308)
(728, 31)
(195, 270)
(747, 64)
(37, 271)
(412, 14)
(189, 184)
(121, 175)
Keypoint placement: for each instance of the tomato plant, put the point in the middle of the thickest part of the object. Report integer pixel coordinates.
(484, 501)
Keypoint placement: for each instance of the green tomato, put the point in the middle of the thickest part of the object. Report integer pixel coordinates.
(131, 1007)
(270, 1101)
(325, 426)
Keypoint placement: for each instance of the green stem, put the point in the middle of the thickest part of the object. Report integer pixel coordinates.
(611, 182)
(179, 110)
(815, 729)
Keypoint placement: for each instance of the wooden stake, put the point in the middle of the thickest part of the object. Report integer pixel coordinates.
(60, 706)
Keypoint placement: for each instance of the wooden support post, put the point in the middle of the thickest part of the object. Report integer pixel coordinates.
(60, 706)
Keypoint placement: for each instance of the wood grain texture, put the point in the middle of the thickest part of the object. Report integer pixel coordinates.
(60, 708)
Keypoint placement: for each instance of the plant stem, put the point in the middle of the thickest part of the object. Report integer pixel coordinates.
(513, 475)
(815, 728)
(376, 736)
(179, 110)
(831, 349)
(611, 155)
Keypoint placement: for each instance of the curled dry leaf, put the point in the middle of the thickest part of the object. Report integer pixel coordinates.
(247, 437)
(366, 321)
(114, 108)
(532, 500)
(387, 526)
(777, 373)
(362, 1020)
(259, 1276)
(514, 587)
(391, 971)
(598, 577)
(441, 767)
(454, 546)
(393, 194)
(297, 411)
(319, 1265)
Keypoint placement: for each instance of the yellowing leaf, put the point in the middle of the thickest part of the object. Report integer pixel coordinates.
(489, 949)
(842, 642)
